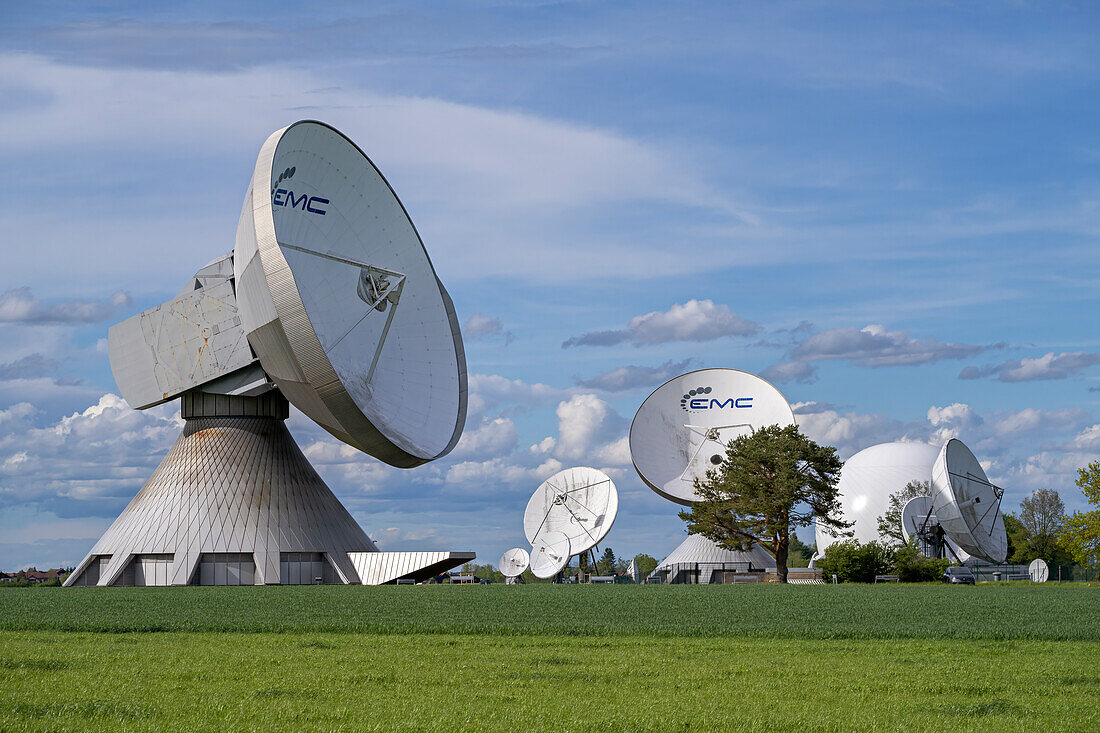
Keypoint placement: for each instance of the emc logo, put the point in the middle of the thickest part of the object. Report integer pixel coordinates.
(286, 197)
(698, 399)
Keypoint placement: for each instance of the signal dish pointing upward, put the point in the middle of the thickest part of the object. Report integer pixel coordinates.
(581, 503)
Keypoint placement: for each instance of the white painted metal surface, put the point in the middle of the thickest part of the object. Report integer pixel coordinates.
(917, 513)
(967, 504)
(377, 568)
(341, 303)
(579, 502)
(1038, 571)
(698, 549)
(191, 340)
(514, 562)
(550, 554)
(867, 480)
(685, 426)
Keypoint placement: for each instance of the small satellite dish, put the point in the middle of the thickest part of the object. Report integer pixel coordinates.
(967, 504)
(340, 302)
(581, 503)
(685, 426)
(514, 562)
(550, 554)
(1038, 571)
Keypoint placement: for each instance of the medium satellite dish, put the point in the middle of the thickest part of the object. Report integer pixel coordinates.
(581, 503)
(916, 516)
(685, 426)
(550, 554)
(1038, 571)
(514, 562)
(340, 302)
(967, 504)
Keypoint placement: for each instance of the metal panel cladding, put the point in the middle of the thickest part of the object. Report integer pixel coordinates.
(684, 427)
(341, 303)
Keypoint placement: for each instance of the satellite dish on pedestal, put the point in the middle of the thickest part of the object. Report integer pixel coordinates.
(967, 504)
(550, 554)
(1038, 571)
(514, 562)
(685, 426)
(328, 300)
(581, 503)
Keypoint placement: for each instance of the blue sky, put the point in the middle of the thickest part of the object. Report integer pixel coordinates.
(892, 210)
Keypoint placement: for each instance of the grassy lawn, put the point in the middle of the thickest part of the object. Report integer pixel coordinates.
(551, 658)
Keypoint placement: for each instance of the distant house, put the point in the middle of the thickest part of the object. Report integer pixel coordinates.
(41, 576)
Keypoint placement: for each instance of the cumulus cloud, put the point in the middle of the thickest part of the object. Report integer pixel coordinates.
(1030, 369)
(20, 306)
(695, 320)
(27, 367)
(870, 346)
(493, 437)
(480, 326)
(812, 407)
(585, 423)
(629, 377)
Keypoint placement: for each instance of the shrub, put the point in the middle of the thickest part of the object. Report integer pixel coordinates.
(913, 566)
(852, 562)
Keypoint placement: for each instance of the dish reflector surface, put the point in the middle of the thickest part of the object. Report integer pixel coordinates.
(914, 514)
(341, 303)
(685, 426)
(1038, 571)
(514, 562)
(581, 503)
(550, 554)
(967, 505)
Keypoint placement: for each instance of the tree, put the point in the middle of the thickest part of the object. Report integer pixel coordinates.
(913, 566)
(1081, 533)
(799, 554)
(606, 564)
(770, 482)
(889, 524)
(1017, 538)
(645, 565)
(852, 562)
(1042, 516)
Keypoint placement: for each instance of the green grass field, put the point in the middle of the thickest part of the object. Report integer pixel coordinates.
(551, 658)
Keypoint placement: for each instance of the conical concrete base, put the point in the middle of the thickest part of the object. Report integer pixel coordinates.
(235, 492)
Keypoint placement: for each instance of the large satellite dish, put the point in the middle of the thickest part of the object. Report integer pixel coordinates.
(340, 301)
(916, 516)
(514, 562)
(967, 504)
(685, 426)
(580, 503)
(328, 301)
(550, 554)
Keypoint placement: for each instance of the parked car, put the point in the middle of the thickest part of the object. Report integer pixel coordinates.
(959, 575)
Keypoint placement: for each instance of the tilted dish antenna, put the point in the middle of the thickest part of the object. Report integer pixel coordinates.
(513, 562)
(580, 503)
(685, 426)
(967, 504)
(1038, 571)
(550, 554)
(341, 303)
(918, 519)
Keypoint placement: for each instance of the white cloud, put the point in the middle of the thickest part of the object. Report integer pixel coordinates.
(1030, 369)
(20, 306)
(695, 320)
(479, 326)
(630, 377)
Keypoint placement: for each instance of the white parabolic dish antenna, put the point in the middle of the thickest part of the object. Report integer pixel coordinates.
(581, 503)
(914, 515)
(514, 562)
(967, 504)
(1038, 571)
(685, 426)
(550, 554)
(340, 301)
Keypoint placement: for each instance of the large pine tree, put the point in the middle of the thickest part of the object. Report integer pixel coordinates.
(770, 482)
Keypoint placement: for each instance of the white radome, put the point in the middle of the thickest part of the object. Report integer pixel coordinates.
(868, 478)
(684, 427)
(579, 502)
